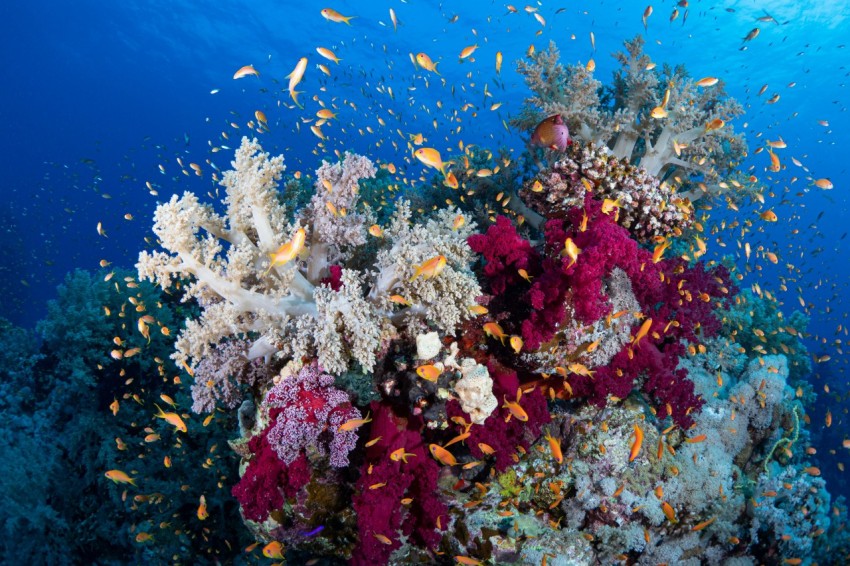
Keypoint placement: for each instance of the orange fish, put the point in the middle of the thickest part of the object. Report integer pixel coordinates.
(295, 77)
(555, 447)
(515, 408)
(430, 268)
(429, 372)
(354, 424)
(118, 476)
(571, 250)
(171, 418)
(442, 455)
(642, 332)
(458, 438)
(669, 512)
(245, 71)
(551, 133)
(636, 444)
(334, 16)
(704, 524)
(768, 216)
(273, 550)
(114, 407)
(451, 181)
(202, 509)
(486, 449)
(493, 329)
(696, 439)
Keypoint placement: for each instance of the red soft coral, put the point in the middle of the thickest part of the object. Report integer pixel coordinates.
(267, 480)
(379, 511)
(504, 437)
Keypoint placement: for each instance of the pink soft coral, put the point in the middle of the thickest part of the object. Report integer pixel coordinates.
(307, 412)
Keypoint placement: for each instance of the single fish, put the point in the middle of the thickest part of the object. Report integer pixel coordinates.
(551, 133)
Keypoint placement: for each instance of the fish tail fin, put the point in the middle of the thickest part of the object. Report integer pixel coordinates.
(348, 19)
(294, 94)
(132, 482)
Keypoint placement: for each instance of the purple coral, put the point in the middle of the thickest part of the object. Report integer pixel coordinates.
(307, 412)
(219, 374)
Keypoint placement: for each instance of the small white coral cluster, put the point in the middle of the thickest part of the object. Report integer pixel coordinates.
(285, 308)
(474, 389)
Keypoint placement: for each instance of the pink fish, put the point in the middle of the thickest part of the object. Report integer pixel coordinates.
(552, 133)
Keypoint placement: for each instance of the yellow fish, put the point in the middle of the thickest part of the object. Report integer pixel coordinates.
(516, 344)
(515, 409)
(609, 205)
(334, 16)
(119, 477)
(295, 77)
(426, 63)
(431, 157)
(288, 251)
(376, 231)
(430, 268)
(171, 418)
(571, 250)
(400, 455)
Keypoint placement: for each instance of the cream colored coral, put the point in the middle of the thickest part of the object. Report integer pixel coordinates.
(427, 345)
(475, 391)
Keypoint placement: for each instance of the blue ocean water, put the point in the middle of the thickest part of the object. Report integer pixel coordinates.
(100, 98)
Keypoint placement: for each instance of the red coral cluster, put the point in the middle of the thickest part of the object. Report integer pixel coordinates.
(679, 300)
(385, 481)
(267, 480)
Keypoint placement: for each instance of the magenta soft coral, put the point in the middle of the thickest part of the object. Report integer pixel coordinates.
(504, 437)
(267, 480)
(379, 511)
(307, 412)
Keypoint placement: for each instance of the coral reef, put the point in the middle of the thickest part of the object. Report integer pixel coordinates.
(573, 385)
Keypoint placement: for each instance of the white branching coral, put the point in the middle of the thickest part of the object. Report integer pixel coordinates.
(320, 306)
(658, 118)
(442, 300)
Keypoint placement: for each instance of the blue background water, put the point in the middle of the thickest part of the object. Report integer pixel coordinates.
(96, 95)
